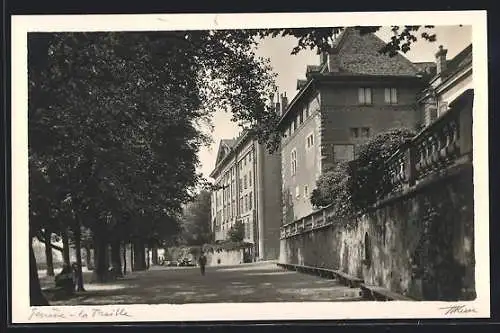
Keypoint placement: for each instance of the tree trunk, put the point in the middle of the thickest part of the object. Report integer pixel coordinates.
(36, 296)
(148, 260)
(65, 253)
(154, 255)
(116, 258)
(48, 253)
(88, 258)
(139, 257)
(78, 252)
(132, 257)
(124, 257)
(100, 273)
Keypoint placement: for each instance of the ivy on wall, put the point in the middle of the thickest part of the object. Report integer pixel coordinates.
(434, 261)
(353, 187)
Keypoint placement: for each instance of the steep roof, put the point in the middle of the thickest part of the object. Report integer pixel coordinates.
(359, 54)
(228, 142)
(225, 147)
(425, 67)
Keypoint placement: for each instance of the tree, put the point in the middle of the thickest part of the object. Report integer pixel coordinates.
(334, 187)
(196, 220)
(237, 232)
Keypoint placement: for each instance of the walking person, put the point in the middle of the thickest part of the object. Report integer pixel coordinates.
(202, 261)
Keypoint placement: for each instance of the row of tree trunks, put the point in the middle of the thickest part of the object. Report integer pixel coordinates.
(140, 257)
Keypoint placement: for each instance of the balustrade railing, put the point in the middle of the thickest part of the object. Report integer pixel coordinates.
(445, 142)
(440, 145)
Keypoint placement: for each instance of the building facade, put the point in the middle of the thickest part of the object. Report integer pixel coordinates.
(353, 94)
(246, 178)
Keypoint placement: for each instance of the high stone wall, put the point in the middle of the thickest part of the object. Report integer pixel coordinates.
(420, 244)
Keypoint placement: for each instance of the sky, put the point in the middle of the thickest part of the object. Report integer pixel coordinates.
(292, 67)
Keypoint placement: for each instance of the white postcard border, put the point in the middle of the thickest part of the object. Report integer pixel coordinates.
(21, 311)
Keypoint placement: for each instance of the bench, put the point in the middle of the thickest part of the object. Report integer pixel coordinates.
(343, 278)
(381, 294)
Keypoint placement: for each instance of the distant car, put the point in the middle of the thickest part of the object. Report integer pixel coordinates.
(185, 262)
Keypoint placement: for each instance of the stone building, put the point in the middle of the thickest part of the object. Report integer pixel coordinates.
(247, 177)
(353, 94)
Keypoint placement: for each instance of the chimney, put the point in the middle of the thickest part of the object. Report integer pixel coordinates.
(333, 61)
(441, 60)
(277, 105)
(284, 102)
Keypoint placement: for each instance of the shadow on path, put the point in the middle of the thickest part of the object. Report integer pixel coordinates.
(243, 283)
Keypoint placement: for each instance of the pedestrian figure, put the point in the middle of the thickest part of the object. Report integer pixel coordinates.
(202, 261)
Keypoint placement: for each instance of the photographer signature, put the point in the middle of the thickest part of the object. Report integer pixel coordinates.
(457, 309)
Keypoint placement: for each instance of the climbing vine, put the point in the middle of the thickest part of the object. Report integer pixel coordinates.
(353, 187)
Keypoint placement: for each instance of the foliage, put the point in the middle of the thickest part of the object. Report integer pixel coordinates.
(237, 232)
(355, 186)
(226, 245)
(119, 135)
(370, 179)
(195, 222)
(106, 125)
(334, 187)
(322, 39)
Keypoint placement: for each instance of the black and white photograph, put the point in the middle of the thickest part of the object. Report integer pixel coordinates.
(249, 167)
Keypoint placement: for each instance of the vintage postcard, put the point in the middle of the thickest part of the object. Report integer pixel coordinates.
(212, 167)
